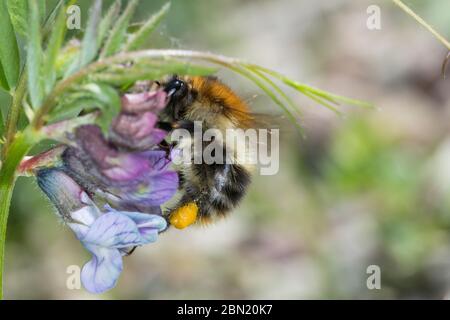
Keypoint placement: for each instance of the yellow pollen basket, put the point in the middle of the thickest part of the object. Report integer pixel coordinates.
(184, 216)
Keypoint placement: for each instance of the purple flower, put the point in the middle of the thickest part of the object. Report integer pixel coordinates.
(134, 127)
(126, 174)
(107, 234)
(144, 101)
(127, 170)
(128, 180)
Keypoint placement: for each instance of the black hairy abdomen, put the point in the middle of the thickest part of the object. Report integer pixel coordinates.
(223, 187)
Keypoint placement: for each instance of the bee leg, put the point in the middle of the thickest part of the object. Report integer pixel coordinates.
(165, 145)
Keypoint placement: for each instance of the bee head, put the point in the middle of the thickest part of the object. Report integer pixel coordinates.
(180, 97)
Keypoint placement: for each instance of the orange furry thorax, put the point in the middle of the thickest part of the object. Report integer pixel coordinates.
(212, 92)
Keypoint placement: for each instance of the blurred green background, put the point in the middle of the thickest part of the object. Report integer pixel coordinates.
(369, 188)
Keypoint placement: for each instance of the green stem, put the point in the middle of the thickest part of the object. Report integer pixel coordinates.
(436, 34)
(17, 150)
(14, 111)
(59, 89)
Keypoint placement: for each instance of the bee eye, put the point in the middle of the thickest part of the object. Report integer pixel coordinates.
(176, 87)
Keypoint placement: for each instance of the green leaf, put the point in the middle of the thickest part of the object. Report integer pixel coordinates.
(42, 7)
(18, 11)
(53, 47)
(89, 46)
(138, 39)
(50, 20)
(9, 51)
(87, 98)
(2, 125)
(118, 33)
(3, 81)
(34, 55)
(66, 58)
(108, 101)
(107, 21)
(71, 109)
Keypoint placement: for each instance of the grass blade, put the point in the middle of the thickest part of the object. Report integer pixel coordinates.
(9, 51)
(138, 39)
(34, 55)
(53, 47)
(247, 74)
(421, 21)
(331, 97)
(89, 46)
(277, 90)
(322, 102)
(107, 21)
(118, 33)
(303, 88)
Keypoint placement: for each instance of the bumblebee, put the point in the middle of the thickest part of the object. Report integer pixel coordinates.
(208, 191)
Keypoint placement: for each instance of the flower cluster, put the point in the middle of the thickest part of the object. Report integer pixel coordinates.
(109, 191)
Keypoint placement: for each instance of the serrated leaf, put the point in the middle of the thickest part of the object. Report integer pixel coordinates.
(108, 19)
(138, 39)
(118, 33)
(18, 11)
(9, 51)
(34, 55)
(89, 46)
(53, 47)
